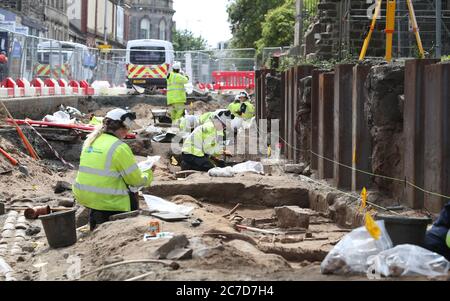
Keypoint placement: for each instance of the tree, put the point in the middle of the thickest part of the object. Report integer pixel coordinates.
(278, 27)
(185, 40)
(246, 17)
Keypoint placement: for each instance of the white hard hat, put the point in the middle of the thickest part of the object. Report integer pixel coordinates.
(223, 115)
(127, 118)
(238, 97)
(243, 94)
(176, 66)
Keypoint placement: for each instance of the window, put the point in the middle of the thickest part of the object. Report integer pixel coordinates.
(145, 29)
(147, 55)
(162, 30)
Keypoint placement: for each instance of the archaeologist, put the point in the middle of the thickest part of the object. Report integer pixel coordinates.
(108, 171)
(437, 238)
(3, 66)
(206, 143)
(235, 106)
(176, 93)
(247, 108)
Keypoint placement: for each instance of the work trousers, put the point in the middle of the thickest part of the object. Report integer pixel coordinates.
(205, 163)
(98, 217)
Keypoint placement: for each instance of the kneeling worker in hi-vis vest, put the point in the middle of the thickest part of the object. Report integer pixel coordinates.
(108, 170)
(437, 238)
(176, 92)
(205, 144)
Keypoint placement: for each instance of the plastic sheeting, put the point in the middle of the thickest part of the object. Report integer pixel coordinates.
(350, 255)
(161, 205)
(409, 260)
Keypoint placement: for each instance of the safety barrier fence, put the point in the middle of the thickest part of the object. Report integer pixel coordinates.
(323, 123)
(31, 58)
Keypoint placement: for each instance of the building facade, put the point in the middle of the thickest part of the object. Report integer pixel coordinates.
(94, 22)
(41, 18)
(151, 19)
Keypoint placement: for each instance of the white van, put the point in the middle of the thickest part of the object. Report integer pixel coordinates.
(58, 59)
(149, 62)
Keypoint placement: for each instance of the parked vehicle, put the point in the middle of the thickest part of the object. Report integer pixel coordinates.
(148, 63)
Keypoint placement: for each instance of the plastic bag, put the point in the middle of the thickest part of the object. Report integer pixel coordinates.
(409, 260)
(59, 117)
(189, 87)
(161, 205)
(249, 166)
(226, 172)
(350, 255)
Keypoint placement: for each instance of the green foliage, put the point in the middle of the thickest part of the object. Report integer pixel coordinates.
(445, 58)
(184, 40)
(246, 18)
(278, 27)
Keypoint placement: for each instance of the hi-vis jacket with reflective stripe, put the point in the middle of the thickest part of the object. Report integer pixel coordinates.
(205, 117)
(204, 140)
(107, 168)
(235, 108)
(176, 92)
(249, 112)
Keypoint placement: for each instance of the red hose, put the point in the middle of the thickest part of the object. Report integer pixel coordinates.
(8, 156)
(61, 126)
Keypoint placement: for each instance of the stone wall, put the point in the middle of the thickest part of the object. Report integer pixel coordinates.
(384, 115)
(343, 25)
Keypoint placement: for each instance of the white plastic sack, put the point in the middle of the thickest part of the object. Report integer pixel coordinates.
(409, 260)
(59, 117)
(226, 172)
(249, 166)
(158, 204)
(237, 123)
(350, 255)
(189, 88)
(148, 164)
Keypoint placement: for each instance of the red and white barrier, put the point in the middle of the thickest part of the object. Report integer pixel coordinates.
(29, 91)
(52, 87)
(86, 88)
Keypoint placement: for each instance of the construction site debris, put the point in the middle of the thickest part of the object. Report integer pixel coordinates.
(295, 168)
(67, 202)
(34, 213)
(409, 260)
(62, 186)
(33, 230)
(235, 208)
(229, 236)
(293, 216)
(170, 216)
(177, 242)
(350, 255)
(125, 215)
(180, 254)
(82, 216)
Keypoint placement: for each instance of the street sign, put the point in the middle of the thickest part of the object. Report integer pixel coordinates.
(7, 26)
(105, 48)
(22, 30)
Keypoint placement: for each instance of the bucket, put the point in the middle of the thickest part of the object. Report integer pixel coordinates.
(60, 228)
(406, 230)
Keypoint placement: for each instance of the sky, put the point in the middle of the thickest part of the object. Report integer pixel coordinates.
(207, 18)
